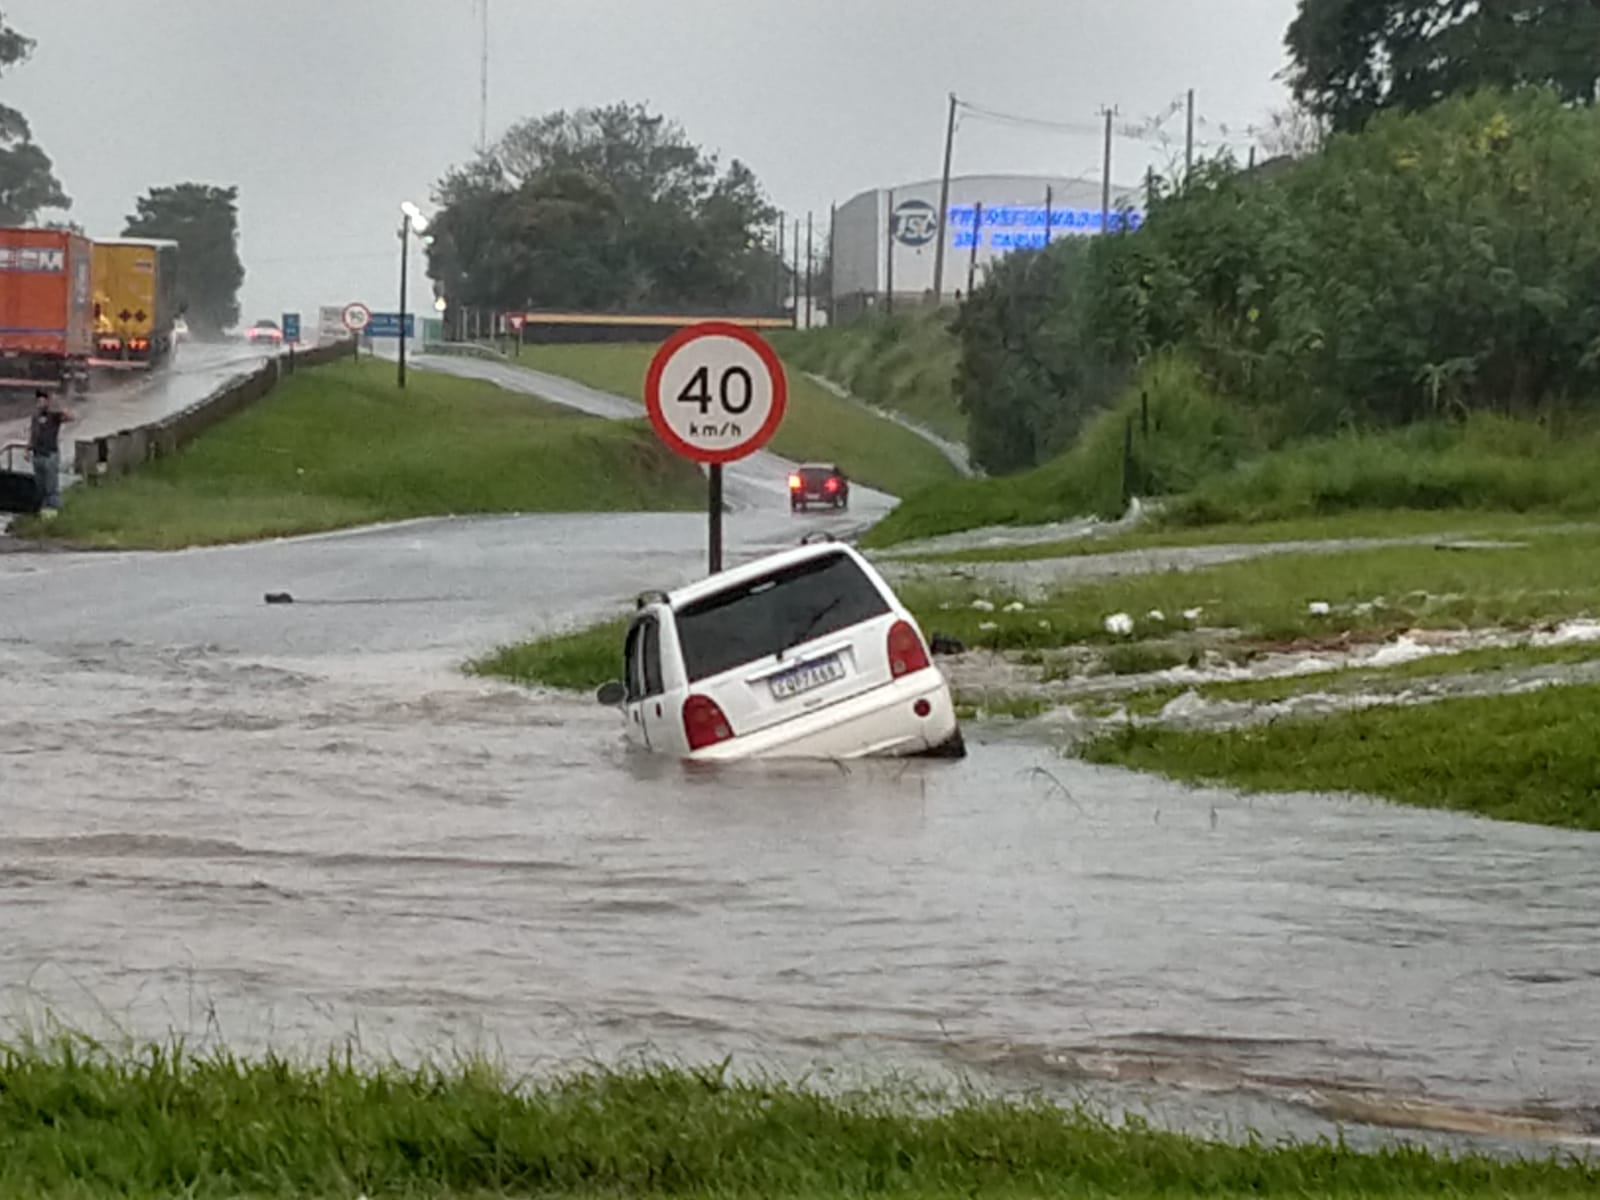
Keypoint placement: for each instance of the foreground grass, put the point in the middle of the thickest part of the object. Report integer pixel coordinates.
(76, 1124)
(1528, 757)
(1370, 593)
(340, 446)
(819, 426)
(579, 661)
(906, 362)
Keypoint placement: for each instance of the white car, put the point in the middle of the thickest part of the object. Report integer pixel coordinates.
(806, 653)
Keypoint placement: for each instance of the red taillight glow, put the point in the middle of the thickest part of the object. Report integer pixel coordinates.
(794, 483)
(704, 723)
(907, 655)
(832, 485)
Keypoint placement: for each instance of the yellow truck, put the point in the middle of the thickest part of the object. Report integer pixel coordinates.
(135, 302)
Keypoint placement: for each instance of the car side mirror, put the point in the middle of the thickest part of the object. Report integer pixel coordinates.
(611, 694)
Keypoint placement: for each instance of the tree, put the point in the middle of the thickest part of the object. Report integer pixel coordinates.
(204, 221)
(1353, 58)
(27, 177)
(605, 208)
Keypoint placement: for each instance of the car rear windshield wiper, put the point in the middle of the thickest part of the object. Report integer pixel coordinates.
(816, 619)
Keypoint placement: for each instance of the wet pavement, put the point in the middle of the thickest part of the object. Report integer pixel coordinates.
(294, 824)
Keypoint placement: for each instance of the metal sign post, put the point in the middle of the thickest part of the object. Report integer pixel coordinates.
(716, 392)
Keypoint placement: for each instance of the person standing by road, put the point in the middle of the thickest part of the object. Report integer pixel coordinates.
(44, 447)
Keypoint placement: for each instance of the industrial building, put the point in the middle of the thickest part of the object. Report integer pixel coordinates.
(989, 216)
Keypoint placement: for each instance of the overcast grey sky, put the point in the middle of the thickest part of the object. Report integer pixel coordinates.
(328, 113)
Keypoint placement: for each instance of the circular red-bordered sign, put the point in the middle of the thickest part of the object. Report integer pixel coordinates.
(716, 392)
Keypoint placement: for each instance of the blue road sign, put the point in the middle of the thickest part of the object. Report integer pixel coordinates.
(291, 327)
(387, 325)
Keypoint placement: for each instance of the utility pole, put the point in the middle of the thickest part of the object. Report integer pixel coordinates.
(483, 82)
(1188, 141)
(777, 276)
(944, 205)
(1049, 214)
(833, 278)
(1105, 176)
(405, 244)
(972, 260)
(797, 272)
(810, 260)
(888, 280)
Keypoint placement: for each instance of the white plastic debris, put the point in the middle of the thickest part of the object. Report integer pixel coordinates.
(988, 626)
(1319, 608)
(983, 606)
(1401, 650)
(1155, 614)
(1569, 633)
(1192, 614)
(1014, 607)
(1044, 624)
(1120, 624)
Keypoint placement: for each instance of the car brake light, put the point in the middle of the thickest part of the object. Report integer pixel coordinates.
(907, 654)
(832, 485)
(704, 723)
(794, 483)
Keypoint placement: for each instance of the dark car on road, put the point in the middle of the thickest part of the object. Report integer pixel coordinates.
(818, 483)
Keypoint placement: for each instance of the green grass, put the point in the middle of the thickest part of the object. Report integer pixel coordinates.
(1268, 598)
(79, 1124)
(818, 426)
(1528, 757)
(579, 661)
(1156, 535)
(341, 445)
(906, 362)
(1366, 680)
(1205, 460)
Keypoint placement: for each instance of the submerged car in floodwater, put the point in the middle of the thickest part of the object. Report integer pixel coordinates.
(806, 653)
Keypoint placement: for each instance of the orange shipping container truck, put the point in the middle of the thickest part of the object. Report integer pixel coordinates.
(46, 309)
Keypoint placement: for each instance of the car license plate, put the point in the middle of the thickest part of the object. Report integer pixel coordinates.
(808, 676)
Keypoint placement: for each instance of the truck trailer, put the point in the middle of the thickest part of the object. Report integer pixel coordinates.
(46, 309)
(135, 302)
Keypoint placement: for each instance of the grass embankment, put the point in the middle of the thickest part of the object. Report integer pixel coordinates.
(1524, 757)
(1206, 464)
(579, 661)
(162, 1124)
(905, 363)
(819, 426)
(341, 445)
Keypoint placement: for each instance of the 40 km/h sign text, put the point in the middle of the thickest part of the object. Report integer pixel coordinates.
(716, 392)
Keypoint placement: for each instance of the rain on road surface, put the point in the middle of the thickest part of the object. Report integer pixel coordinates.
(283, 825)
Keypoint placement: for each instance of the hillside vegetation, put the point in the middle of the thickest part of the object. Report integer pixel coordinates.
(1410, 318)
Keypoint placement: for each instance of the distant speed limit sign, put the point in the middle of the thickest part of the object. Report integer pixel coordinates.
(356, 317)
(716, 392)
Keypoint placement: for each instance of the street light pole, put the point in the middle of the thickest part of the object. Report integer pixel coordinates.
(405, 245)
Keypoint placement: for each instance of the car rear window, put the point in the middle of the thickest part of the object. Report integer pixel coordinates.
(767, 615)
(815, 474)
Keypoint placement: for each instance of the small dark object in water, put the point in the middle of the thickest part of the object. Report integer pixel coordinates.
(943, 643)
(279, 598)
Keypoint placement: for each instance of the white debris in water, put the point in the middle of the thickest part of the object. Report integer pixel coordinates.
(988, 626)
(1403, 650)
(1187, 705)
(983, 606)
(1319, 608)
(1192, 614)
(1155, 614)
(1014, 607)
(1120, 624)
(1569, 633)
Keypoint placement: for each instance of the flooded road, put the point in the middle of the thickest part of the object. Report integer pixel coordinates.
(290, 825)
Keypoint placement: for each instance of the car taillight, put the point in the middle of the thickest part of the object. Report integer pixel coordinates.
(907, 654)
(832, 485)
(794, 483)
(704, 723)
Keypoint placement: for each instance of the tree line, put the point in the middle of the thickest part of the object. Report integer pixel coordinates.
(1434, 255)
(609, 209)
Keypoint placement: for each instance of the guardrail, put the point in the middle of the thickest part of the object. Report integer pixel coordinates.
(128, 449)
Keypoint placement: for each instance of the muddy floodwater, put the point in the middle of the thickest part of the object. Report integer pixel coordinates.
(293, 825)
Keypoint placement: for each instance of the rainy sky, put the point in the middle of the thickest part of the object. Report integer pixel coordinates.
(328, 113)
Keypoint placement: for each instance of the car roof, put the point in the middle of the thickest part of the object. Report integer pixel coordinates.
(816, 466)
(755, 569)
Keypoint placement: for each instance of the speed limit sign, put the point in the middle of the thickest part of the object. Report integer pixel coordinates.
(716, 392)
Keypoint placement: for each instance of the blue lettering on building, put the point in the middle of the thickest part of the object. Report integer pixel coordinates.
(1011, 227)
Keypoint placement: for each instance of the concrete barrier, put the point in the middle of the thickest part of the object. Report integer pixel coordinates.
(129, 449)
